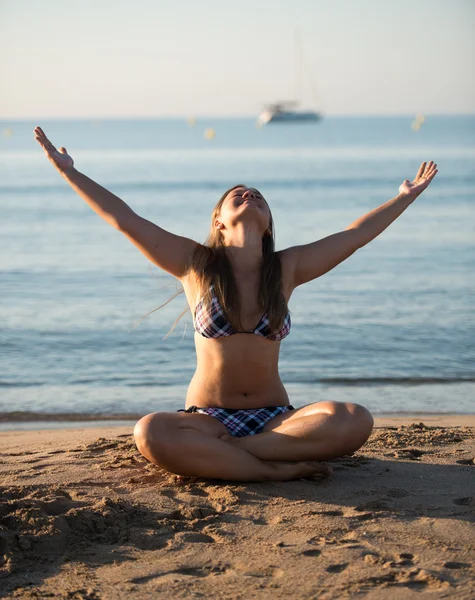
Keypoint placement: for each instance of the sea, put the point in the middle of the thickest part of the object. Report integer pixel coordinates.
(391, 328)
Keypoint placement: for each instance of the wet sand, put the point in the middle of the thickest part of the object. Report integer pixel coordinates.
(84, 515)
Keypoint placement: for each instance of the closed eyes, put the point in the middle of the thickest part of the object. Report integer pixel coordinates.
(256, 193)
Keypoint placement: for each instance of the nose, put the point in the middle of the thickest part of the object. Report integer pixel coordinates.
(249, 194)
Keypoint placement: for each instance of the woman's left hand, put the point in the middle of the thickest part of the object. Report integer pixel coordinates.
(425, 175)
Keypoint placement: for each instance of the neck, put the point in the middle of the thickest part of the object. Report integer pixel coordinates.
(245, 251)
(245, 261)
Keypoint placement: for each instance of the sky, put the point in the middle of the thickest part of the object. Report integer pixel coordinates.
(174, 58)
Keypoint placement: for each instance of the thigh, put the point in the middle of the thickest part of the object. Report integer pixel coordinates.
(161, 424)
(325, 407)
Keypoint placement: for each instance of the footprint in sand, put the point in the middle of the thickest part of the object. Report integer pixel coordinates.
(221, 498)
(336, 568)
(313, 552)
(416, 579)
(187, 524)
(456, 565)
(60, 505)
(405, 559)
(151, 539)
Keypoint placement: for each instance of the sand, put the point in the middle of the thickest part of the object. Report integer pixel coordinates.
(83, 515)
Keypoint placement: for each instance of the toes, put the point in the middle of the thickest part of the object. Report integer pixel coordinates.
(320, 469)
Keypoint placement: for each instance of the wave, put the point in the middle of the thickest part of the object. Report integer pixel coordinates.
(342, 381)
(98, 381)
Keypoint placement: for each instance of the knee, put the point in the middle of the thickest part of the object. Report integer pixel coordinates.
(362, 416)
(357, 417)
(148, 432)
(361, 423)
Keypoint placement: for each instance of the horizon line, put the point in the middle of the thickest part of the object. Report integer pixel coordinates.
(230, 116)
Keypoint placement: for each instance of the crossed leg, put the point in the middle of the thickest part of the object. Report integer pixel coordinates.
(290, 447)
(318, 431)
(190, 445)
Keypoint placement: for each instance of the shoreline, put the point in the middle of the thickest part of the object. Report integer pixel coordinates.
(11, 422)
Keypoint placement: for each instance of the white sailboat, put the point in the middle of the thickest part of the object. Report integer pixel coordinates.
(284, 111)
(288, 111)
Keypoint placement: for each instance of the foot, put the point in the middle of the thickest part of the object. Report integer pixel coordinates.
(309, 468)
(287, 471)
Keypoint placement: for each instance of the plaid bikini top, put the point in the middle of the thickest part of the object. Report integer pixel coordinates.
(212, 323)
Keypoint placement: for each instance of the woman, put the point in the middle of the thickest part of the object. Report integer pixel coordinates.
(238, 424)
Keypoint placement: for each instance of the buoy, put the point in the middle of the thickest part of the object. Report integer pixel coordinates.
(209, 133)
(416, 124)
(191, 121)
(7, 132)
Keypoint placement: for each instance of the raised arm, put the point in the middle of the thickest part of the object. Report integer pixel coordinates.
(310, 261)
(168, 251)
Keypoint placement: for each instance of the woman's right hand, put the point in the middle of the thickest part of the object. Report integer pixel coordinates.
(60, 158)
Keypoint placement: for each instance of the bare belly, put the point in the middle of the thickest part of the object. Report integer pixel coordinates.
(237, 373)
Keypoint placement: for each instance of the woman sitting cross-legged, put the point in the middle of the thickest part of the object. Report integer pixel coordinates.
(238, 423)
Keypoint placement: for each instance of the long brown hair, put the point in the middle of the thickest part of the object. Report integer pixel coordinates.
(210, 264)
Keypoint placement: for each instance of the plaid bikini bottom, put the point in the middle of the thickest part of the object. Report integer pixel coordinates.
(241, 421)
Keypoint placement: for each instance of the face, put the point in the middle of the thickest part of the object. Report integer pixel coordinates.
(244, 203)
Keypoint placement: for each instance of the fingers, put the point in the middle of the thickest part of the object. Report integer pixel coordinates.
(40, 135)
(421, 170)
(424, 182)
(426, 170)
(43, 140)
(430, 173)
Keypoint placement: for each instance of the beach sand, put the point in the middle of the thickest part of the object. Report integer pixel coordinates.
(84, 515)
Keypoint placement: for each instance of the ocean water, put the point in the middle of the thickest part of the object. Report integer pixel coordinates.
(391, 328)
